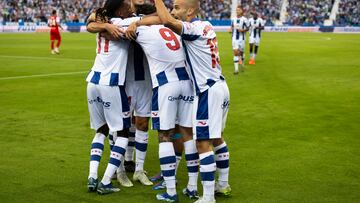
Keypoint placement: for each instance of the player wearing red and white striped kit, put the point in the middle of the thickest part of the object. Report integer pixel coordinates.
(54, 24)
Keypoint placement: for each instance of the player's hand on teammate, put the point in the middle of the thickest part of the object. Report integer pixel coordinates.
(108, 36)
(131, 31)
(114, 30)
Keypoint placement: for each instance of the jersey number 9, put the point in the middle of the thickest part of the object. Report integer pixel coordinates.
(170, 37)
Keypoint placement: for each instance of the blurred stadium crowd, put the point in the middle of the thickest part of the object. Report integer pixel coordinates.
(269, 10)
(299, 12)
(349, 13)
(211, 9)
(40, 10)
(308, 12)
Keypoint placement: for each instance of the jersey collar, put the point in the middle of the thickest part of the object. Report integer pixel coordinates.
(194, 19)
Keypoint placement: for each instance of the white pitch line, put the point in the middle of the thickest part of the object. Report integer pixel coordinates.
(42, 75)
(43, 58)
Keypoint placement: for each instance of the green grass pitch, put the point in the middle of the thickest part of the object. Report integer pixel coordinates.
(293, 129)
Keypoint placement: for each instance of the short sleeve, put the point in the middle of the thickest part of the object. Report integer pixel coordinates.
(190, 31)
(140, 34)
(124, 22)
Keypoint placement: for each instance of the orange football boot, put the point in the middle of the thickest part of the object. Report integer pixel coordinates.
(252, 61)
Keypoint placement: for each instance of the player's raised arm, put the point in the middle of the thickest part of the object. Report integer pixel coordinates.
(166, 17)
(147, 20)
(96, 27)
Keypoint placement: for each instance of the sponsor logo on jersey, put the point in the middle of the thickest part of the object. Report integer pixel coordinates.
(189, 99)
(207, 29)
(225, 105)
(99, 100)
(202, 123)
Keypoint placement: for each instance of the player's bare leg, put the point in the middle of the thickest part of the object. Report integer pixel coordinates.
(178, 143)
(256, 50)
(53, 47)
(57, 51)
(236, 61)
(222, 163)
(192, 162)
(168, 166)
(207, 169)
(252, 60)
(129, 154)
(141, 143)
(241, 61)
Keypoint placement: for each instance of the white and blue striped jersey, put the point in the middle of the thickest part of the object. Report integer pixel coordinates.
(239, 23)
(137, 68)
(164, 52)
(202, 54)
(111, 58)
(254, 32)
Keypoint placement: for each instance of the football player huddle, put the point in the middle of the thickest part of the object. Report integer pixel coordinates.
(239, 26)
(153, 64)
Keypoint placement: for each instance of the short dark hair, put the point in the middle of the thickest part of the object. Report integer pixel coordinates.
(145, 9)
(53, 12)
(109, 10)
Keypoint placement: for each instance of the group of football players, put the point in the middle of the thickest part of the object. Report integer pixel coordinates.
(239, 26)
(165, 66)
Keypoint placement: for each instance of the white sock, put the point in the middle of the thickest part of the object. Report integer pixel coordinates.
(97, 147)
(236, 63)
(222, 163)
(254, 56)
(115, 159)
(192, 162)
(207, 172)
(129, 155)
(121, 168)
(141, 143)
(168, 165)
(178, 159)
